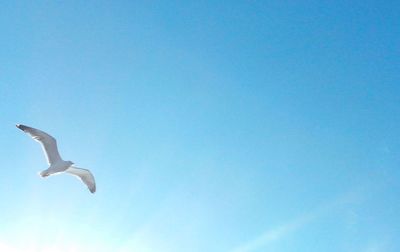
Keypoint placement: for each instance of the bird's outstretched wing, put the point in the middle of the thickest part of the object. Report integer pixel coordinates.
(48, 143)
(85, 176)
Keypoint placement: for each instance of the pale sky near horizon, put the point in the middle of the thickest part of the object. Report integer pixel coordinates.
(246, 126)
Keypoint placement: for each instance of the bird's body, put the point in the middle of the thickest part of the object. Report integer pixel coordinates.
(57, 164)
(55, 168)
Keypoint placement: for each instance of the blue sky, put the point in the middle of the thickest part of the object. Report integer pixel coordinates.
(214, 126)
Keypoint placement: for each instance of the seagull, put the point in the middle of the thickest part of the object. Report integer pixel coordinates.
(57, 165)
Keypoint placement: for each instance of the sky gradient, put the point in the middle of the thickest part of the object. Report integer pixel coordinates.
(246, 126)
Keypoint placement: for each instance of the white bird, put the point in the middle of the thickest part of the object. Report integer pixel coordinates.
(57, 165)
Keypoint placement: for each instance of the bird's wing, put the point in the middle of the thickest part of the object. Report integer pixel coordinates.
(84, 175)
(48, 142)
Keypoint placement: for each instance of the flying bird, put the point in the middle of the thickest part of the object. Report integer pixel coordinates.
(57, 165)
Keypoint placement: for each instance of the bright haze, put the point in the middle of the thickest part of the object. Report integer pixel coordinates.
(237, 126)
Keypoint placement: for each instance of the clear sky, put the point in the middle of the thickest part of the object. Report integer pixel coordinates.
(237, 126)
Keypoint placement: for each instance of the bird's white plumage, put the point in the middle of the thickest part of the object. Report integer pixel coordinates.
(48, 143)
(57, 165)
(84, 175)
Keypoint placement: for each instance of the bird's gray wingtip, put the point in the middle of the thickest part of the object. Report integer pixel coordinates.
(21, 127)
(92, 188)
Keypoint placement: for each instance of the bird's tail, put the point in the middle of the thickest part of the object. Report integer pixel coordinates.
(44, 174)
